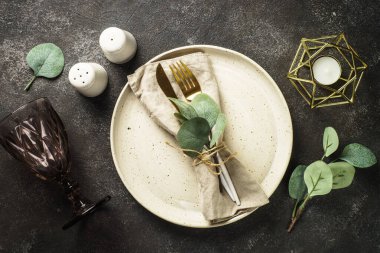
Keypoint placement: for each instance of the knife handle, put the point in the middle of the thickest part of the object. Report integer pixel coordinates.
(228, 179)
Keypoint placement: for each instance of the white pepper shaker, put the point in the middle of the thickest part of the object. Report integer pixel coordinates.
(119, 46)
(89, 78)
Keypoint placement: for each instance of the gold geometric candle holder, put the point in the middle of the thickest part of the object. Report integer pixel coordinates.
(301, 72)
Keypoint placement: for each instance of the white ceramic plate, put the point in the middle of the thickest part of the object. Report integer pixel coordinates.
(259, 128)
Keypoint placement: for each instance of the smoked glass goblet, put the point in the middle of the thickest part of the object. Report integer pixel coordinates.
(35, 135)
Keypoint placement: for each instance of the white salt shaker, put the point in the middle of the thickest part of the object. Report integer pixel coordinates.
(119, 46)
(88, 78)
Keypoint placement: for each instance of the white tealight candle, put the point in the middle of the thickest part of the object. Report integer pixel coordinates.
(88, 78)
(326, 70)
(118, 46)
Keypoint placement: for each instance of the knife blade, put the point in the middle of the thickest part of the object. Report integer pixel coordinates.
(164, 83)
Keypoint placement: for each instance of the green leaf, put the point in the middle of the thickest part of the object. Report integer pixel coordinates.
(218, 129)
(330, 141)
(318, 178)
(46, 60)
(186, 110)
(297, 186)
(358, 155)
(180, 118)
(343, 174)
(206, 108)
(193, 135)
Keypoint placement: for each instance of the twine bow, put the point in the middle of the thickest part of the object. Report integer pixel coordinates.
(207, 156)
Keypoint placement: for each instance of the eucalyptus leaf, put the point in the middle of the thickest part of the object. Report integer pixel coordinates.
(206, 108)
(46, 60)
(330, 141)
(218, 129)
(358, 155)
(318, 178)
(343, 174)
(186, 110)
(193, 135)
(297, 186)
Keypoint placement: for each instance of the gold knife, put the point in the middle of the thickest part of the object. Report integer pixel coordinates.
(164, 83)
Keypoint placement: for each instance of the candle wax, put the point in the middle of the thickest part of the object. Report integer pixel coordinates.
(326, 70)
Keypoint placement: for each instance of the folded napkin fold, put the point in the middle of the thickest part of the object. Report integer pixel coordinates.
(216, 205)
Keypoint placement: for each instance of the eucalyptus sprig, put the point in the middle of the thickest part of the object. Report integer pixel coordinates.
(46, 60)
(202, 123)
(320, 177)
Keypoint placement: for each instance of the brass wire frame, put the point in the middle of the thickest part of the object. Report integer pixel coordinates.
(306, 57)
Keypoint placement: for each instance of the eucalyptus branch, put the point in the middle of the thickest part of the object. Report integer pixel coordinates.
(319, 178)
(295, 209)
(27, 87)
(299, 212)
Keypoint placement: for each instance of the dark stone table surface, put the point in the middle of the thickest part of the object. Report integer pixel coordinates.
(268, 31)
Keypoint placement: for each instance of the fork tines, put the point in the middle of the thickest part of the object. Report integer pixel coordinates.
(185, 79)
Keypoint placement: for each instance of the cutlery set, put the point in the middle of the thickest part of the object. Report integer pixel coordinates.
(190, 87)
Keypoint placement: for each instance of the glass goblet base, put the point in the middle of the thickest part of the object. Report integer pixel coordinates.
(86, 211)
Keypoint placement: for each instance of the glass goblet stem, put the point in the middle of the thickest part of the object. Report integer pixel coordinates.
(81, 205)
(72, 191)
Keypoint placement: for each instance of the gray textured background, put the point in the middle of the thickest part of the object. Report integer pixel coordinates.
(32, 211)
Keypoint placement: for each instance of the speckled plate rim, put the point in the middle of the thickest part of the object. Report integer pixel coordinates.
(275, 178)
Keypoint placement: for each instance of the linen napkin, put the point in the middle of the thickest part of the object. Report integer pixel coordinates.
(216, 205)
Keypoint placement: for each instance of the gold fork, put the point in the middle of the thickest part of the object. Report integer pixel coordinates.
(186, 80)
(190, 87)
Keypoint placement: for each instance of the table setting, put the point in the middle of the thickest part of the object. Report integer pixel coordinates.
(190, 146)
